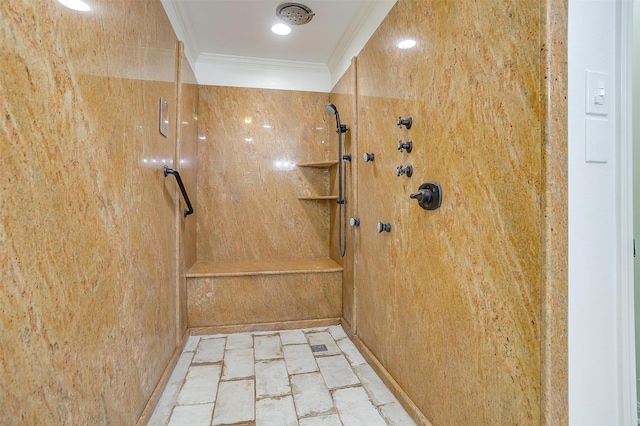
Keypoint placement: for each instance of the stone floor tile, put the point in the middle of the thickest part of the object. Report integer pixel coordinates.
(351, 352)
(330, 420)
(293, 337)
(375, 387)
(276, 412)
(355, 408)
(191, 415)
(238, 364)
(267, 347)
(299, 359)
(272, 379)
(239, 341)
(191, 344)
(337, 332)
(323, 338)
(235, 403)
(171, 390)
(209, 350)
(201, 385)
(336, 371)
(315, 329)
(311, 395)
(395, 415)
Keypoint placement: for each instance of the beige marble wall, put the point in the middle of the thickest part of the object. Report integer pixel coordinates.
(248, 179)
(87, 224)
(554, 275)
(261, 299)
(187, 153)
(343, 96)
(449, 301)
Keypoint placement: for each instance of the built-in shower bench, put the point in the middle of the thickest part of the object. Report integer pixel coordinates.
(242, 293)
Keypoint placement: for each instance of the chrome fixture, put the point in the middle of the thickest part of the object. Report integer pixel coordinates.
(383, 227)
(406, 171)
(429, 195)
(408, 146)
(354, 222)
(342, 176)
(407, 122)
(368, 157)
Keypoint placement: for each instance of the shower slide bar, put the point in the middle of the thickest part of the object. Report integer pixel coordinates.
(168, 171)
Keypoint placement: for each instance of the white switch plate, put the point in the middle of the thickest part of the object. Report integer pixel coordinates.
(598, 93)
(596, 140)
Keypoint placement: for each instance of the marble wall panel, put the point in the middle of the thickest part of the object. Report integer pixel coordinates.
(248, 179)
(87, 223)
(343, 96)
(187, 153)
(256, 299)
(449, 300)
(554, 310)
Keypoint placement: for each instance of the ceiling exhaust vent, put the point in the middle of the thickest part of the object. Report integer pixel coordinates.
(293, 13)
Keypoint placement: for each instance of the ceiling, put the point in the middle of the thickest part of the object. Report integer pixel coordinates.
(226, 39)
(243, 28)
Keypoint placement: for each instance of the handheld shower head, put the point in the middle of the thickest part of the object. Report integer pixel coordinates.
(331, 109)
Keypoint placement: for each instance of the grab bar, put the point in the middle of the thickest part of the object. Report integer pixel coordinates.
(168, 171)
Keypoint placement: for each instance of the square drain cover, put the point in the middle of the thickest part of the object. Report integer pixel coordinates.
(318, 348)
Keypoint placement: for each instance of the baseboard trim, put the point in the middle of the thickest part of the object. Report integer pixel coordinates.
(395, 388)
(162, 383)
(269, 326)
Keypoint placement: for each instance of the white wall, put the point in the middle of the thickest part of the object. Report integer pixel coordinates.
(593, 245)
(636, 172)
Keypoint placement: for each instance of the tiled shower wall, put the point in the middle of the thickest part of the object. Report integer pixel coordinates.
(87, 220)
(248, 180)
(454, 302)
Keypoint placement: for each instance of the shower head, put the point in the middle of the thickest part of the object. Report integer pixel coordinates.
(331, 109)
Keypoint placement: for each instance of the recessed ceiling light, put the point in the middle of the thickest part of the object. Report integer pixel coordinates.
(78, 5)
(407, 44)
(281, 29)
(266, 126)
(248, 120)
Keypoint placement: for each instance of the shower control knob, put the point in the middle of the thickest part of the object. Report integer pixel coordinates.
(354, 222)
(429, 195)
(368, 157)
(405, 171)
(407, 146)
(407, 122)
(384, 227)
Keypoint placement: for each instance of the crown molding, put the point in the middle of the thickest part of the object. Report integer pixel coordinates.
(262, 63)
(243, 71)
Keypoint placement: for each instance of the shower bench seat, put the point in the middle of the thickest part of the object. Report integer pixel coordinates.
(243, 294)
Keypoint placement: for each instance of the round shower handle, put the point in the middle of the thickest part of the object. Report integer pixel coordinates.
(354, 222)
(384, 227)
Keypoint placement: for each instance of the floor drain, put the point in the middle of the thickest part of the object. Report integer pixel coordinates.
(318, 348)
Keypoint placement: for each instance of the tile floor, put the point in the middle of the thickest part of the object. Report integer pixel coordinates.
(276, 379)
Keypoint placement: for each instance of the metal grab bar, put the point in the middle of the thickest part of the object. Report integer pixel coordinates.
(168, 171)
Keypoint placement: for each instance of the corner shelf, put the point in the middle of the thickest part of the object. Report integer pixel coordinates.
(318, 197)
(319, 164)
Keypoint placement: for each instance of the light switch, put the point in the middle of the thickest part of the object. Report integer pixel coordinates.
(596, 140)
(598, 93)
